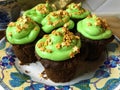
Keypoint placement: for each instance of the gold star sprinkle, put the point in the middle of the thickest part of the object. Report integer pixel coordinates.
(76, 49)
(72, 55)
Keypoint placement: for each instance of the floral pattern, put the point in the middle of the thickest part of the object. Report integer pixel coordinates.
(109, 72)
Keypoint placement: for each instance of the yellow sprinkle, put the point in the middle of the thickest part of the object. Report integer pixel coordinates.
(97, 24)
(25, 26)
(18, 30)
(50, 23)
(63, 44)
(66, 24)
(77, 37)
(10, 34)
(67, 43)
(58, 46)
(46, 36)
(72, 55)
(89, 24)
(49, 51)
(35, 28)
(46, 43)
(40, 44)
(42, 48)
(11, 24)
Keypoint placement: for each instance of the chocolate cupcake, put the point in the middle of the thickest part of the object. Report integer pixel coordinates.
(59, 54)
(77, 13)
(22, 35)
(95, 34)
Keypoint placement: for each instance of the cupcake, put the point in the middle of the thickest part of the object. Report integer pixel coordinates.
(96, 34)
(22, 35)
(55, 20)
(59, 54)
(77, 13)
(38, 12)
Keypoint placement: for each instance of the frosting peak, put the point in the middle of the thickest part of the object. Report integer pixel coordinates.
(38, 12)
(60, 45)
(23, 31)
(94, 28)
(76, 11)
(56, 19)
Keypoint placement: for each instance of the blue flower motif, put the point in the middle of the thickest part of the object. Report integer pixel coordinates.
(111, 62)
(7, 61)
(66, 87)
(101, 74)
(50, 88)
(34, 87)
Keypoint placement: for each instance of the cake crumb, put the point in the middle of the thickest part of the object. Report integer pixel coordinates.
(43, 75)
(27, 71)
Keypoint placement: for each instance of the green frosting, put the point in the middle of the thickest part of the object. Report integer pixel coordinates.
(94, 28)
(76, 11)
(23, 31)
(38, 12)
(56, 19)
(60, 45)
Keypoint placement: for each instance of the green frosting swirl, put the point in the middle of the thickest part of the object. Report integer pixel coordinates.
(76, 11)
(56, 19)
(38, 12)
(23, 31)
(94, 28)
(60, 45)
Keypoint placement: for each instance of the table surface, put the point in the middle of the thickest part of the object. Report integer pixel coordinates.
(114, 23)
(107, 75)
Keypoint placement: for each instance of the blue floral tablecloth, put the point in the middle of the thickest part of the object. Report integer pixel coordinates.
(106, 77)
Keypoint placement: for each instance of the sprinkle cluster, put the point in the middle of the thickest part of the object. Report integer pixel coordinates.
(58, 14)
(42, 8)
(21, 26)
(78, 7)
(99, 22)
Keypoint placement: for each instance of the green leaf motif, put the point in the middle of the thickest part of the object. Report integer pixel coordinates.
(111, 84)
(18, 79)
(83, 85)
